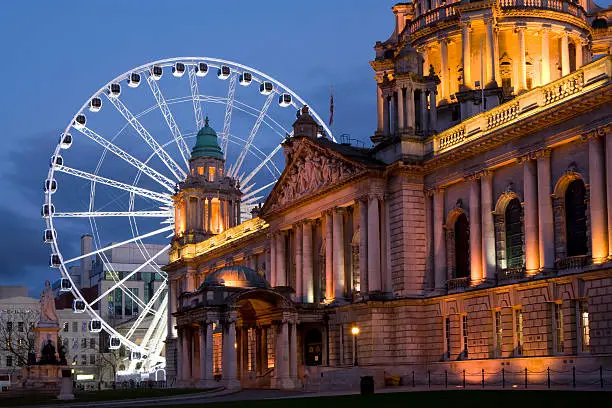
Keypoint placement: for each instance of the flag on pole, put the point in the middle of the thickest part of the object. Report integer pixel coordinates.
(331, 106)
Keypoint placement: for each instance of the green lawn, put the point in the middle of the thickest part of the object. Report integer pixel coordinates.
(105, 395)
(431, 399)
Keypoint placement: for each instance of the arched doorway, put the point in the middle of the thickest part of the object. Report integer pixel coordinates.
(313, 347)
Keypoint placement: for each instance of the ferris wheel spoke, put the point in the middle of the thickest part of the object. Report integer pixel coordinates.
(227, 120)
(97, 214)
(160, 178)
(165, 110)
(252, 193)
(129, 275)
(147, 308)
(150, 140)
(252, 200)
(195, 93)
(262, 114)
(260, 165)
(161, 197)
(118, 244)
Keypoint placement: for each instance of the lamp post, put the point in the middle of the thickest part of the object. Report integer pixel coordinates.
(355, 333)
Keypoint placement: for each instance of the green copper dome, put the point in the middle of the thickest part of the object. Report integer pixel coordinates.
(206, 143)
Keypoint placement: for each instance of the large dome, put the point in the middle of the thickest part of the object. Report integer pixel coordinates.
(206, 143)
(235, 276)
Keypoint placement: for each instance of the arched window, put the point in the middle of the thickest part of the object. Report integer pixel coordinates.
(514, 234)
(575, 218)
(462, 247)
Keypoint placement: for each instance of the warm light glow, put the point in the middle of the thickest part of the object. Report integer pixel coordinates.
(355, 330)
(85, 377)
(211, 174)
(235, 345)
(201, 171)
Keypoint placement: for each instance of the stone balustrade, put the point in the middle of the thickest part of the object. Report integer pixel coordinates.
(510, 274)
(433, 16)
(458, 284)
(573, 262)
(592, 76)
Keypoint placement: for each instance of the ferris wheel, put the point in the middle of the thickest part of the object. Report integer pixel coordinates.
(118, 162)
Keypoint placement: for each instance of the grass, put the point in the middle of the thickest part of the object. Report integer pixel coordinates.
(430, 399)
(105, 395)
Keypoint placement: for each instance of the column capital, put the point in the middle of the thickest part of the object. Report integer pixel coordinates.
(595, 133)
(329, 211)
(465, 23)
(519, 27)
(339, 210)
(546, 28)
(542, 153)
(376, 196)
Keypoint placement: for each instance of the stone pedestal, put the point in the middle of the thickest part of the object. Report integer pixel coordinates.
(66, 393)
(44, 333)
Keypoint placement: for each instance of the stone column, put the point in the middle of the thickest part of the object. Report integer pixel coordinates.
(363, 245)
(374, 278)
(424, 112)
(466, 54)
(491, 79)
(546, 226)
(229, 354)
(598, 211)
(386, 114)
(444, 80)
(202, 347)
(439, 240)
(299, 292)
(400, 108)
(410, 106)
(293, 354)
(281, 259)
(185, 348)
(488, 230)
(476, 274)
(210, 352)
(329, 257)
(380, 109)
(307, 258)
(532, 256)
(338, 241)
(579, 57)
(433, 110)
(172, 303)
(565, 63)
(522, 70)
(221, 218)
(199, 213)
(608, 137)
(545, 67)
(273, 240)
(281, 365)
(210, 227)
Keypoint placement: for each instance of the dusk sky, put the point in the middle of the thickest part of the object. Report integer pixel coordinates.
(56, 54)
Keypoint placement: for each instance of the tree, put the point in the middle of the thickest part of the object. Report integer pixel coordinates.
(17, 336)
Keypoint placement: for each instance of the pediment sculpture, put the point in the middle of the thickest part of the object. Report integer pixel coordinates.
(309, 173)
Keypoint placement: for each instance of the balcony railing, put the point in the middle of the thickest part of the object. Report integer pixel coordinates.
(556, 5)
(510, 274)
(458, 283)
(433, 16)
(573, 262)
(592, 76)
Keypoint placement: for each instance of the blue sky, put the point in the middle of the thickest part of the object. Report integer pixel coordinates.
(57, 53)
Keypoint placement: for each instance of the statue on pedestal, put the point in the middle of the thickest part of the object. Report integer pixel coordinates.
(48, 314)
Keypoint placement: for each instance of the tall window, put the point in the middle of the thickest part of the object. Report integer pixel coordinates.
(518, 329)
(118, 301)
(211, 173)
(464, 326)
(75, 327)
(92, 343)
(585, 335)
(20, 327)
(9, 361)
(498, 333)
(514, 234)
(447, 334)
(131, 307)
(558, 316)
(462, 247)
(575, 218)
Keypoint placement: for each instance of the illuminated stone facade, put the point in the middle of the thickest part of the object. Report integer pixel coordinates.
(476, 230)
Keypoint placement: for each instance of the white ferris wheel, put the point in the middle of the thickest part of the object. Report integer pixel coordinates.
(119, 160)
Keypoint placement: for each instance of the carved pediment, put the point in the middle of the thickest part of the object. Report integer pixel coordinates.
(311, 170)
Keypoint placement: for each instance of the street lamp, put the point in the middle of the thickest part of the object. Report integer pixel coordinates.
(355, 333)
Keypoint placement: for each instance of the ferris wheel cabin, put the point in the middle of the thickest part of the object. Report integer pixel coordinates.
(49, 236)
(114, 343)
(156, 72)
(95, 326)
(284, 100)
(245, 79)
(136, 355)
(65, 140)
(65, 285)
(223, 72)
(78, 305)
(133, 80)
(95, 104)
(56, 160)
(114, 90)
(266, 88)
(50, 186)
(47, 210)
(55, 261)
(178, 70)
(80, 121)
(201, 69)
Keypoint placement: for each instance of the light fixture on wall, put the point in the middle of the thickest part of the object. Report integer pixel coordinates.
(355, 333)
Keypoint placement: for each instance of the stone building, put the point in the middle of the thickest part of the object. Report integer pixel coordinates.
(475, 233)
